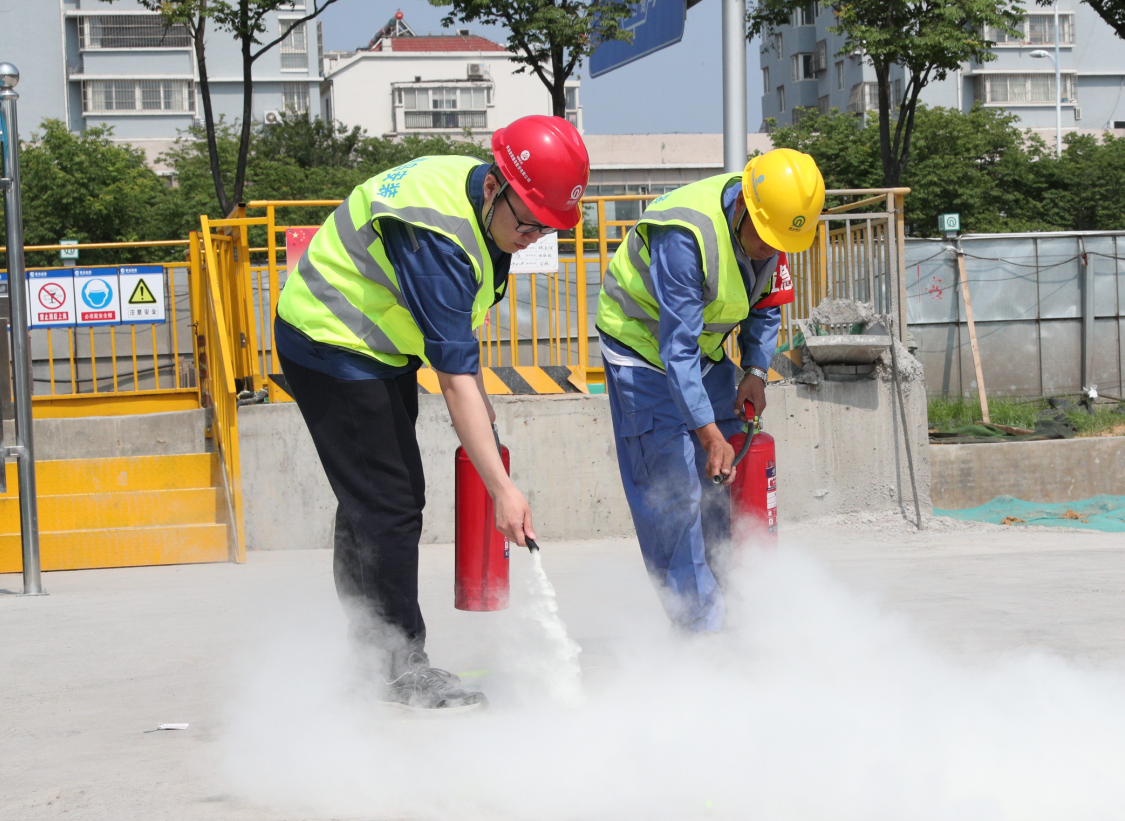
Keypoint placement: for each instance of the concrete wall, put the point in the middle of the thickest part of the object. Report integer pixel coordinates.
(1063, 470)
(94, 437)
(840, 449)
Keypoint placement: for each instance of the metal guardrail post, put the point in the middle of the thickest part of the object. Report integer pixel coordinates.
(24, 449)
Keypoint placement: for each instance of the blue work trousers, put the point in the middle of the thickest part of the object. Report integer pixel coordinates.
(682, 517)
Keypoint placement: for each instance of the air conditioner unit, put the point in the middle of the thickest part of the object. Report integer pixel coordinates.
(476, 71)
(272, 118)
(1077, 113)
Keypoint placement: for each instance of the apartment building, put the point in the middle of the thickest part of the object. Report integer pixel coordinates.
(449, 84)
(97, 63)
(803, 68)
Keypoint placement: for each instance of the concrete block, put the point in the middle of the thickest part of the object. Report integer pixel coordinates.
(97, 437)
(1060, 470)
(840, 449)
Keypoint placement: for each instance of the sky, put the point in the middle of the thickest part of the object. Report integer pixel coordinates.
(678, 89)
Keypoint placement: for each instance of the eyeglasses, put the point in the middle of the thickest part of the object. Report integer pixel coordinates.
(526, 227)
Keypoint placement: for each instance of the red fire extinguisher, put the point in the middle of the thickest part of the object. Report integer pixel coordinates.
(753, 493)
(480, 551)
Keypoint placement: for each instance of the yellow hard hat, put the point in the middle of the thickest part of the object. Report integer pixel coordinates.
(784, 193)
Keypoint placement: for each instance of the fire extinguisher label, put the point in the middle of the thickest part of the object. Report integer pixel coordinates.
(507, 549)
(771, 500)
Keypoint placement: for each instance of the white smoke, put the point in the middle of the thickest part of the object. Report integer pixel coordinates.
(814, 704)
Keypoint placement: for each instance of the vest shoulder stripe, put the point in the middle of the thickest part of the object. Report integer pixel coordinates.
(356, 242)
(421, 216)
(630, 306)
(706, 226)
(334, 300)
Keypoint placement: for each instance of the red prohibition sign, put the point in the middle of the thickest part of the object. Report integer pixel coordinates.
(52, 295)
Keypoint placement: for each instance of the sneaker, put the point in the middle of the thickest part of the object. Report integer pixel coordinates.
(427, 688)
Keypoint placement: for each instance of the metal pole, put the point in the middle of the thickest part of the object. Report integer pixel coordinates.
(1058, 87)
(734, 86)
(24, 450)
(1088, 318)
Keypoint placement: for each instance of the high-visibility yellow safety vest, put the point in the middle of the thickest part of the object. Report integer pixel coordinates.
(627, 307)
(345, 291)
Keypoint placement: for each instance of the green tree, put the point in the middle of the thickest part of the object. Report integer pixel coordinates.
(979, 164)
(928, 38)
(89, 188)
(245, 20)
(1085, 188)
(549, 37)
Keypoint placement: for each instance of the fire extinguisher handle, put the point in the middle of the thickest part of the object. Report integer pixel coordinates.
(496, 436)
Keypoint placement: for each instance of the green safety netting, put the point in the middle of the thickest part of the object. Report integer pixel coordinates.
(1097, 513)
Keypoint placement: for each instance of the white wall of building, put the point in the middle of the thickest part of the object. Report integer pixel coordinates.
(359, 88)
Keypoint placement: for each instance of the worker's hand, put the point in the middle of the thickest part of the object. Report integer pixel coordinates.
(720, 454)
(513, 515)
(753, 390)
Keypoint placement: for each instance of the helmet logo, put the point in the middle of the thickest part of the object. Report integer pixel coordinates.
(518, 161)
(575, 194)
(798, 222)
(754, 182)
(525, 155)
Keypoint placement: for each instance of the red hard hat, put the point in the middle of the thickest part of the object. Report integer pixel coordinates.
(545, 162)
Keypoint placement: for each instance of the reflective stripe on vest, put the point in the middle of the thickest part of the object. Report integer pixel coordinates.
(627, 307)
(345, 292)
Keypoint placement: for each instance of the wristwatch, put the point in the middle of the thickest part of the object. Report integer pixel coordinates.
(758, 372)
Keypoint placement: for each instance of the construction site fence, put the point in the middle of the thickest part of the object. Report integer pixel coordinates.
(132, 367)
(549, 318)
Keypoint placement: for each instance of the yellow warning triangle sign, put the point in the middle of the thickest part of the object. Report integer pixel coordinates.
(142, 295)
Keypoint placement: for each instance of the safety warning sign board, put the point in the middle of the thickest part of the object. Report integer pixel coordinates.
(50, 297)
(96, 296)
(142, 293)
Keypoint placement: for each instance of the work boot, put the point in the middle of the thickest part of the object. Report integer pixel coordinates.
(421, 687)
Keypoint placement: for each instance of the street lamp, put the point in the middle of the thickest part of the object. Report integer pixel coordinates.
(1040, 54)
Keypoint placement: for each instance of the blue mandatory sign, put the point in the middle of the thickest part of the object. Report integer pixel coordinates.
(97, 293)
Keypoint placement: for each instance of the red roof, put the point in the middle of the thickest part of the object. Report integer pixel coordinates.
(447, 42)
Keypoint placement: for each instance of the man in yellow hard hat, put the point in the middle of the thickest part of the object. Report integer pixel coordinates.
(701, 261)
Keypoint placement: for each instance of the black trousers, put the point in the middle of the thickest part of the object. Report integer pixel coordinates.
(364, 432)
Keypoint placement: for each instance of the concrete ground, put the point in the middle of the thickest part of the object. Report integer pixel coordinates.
(109, 654)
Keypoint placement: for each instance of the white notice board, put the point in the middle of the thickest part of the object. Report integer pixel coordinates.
(50, 302)
(541, 257)
(142, 293)
(96, 296)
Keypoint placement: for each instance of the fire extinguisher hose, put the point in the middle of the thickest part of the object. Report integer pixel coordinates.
(751, 430)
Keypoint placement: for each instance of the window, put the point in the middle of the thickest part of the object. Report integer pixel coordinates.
(450, 106)
(864, 97)
(822, 105)
(821, 62)
(130, 31)
(103, 96)
(294, 48)
(781, 98)
(766, 77)
(802, 67)
(572, 105)
(777, 44)
(840, 75)
(897, 101)
(295, 97)
(1024, 88)
(804, 16)
(1036, 30)
(319, 49)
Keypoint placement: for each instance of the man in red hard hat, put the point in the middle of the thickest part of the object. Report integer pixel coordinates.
(402, 274)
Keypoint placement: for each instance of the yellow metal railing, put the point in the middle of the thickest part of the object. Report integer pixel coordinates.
(216, 358)
(548, 318)
(110, 369)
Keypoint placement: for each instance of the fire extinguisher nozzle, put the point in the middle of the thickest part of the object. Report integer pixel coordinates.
(718, 480)
(531, 545)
